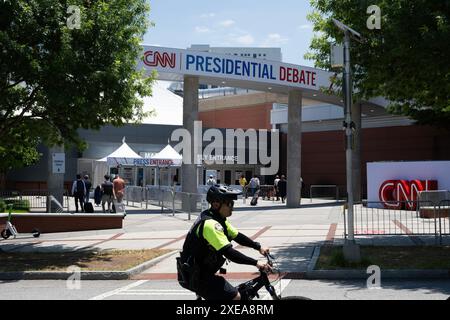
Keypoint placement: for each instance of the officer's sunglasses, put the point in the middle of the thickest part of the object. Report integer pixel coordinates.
(229, 203)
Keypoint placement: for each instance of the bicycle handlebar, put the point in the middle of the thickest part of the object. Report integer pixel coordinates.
(270, 259)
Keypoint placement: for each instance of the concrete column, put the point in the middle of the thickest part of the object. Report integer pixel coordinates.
(200, 175)
(356, 156)
(156, 176)
(294, 149)
(55, 181)
(190, 114)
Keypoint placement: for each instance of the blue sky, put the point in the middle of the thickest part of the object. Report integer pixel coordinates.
(233, 23)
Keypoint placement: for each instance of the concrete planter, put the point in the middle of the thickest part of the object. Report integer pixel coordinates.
(63, 222)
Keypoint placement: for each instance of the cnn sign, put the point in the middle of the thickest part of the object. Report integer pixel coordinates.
(403, 194)
(160, 59)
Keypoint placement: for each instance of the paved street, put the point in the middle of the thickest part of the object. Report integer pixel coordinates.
(170, 290)
(292, 235)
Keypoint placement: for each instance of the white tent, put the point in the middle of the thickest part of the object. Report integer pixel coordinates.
(165, 161)
(123, 155)
(166, 157)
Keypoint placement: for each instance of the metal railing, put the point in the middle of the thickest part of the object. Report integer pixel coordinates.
(134, 196)
(324, 186)
(32, 200)
(443, 215)
(167, 198)
(393, 218)
(267, 192)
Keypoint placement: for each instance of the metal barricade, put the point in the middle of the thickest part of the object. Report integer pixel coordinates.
(267, 192)
(134, 196)
(324, 186)
(32, 200)
(174, 202)
(410, 218)
(443, 214)
(392, 218)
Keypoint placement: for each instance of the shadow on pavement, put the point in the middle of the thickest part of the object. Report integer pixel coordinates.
(283, 207)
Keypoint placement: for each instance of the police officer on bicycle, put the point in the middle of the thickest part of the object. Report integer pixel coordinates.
(207, 245)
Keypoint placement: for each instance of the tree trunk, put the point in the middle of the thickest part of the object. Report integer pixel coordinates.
(2, 180)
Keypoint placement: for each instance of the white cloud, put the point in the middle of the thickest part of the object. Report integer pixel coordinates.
(305, 26)
(245, 40)
(274, 39)
(208, 15)
(201, 29)
(277, 38)
(227, 23)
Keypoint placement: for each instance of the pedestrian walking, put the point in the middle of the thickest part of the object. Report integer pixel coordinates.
(254, 185)
(282, 188)
(243, 184)
(98, 195)
(107, 193)
(275, 187)
(211, 181)
(79, 192)
(88, 185)
(119, 188)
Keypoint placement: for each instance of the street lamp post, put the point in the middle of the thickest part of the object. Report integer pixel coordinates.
(351, 249)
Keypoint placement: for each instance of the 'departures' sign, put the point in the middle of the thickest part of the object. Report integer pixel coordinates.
(188, 62)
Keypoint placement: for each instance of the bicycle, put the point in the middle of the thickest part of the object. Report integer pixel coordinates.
(249, 289)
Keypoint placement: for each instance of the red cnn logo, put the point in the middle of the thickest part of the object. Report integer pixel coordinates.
(395, 194)
(154, 59)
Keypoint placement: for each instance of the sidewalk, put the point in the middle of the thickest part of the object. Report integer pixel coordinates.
(292, 235)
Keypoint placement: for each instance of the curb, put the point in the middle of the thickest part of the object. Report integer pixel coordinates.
(385, 274)
(314, 259)
(84, 275)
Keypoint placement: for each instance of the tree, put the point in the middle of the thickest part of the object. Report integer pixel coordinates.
(405, 61)
(60, 71)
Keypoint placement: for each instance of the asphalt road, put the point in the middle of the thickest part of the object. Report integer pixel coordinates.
(170, 290)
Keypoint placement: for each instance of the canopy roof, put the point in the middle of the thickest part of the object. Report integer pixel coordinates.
(122, 155)
(166, 157)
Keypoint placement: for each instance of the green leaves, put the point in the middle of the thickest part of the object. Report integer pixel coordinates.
(55, 79)
(406, 61)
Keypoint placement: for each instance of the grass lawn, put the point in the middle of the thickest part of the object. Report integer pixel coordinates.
(387, 257)
(17, 211)
(114, 260)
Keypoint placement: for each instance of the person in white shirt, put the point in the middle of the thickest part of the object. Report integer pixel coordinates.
(254, 185)
(211, 181)
(275, 186)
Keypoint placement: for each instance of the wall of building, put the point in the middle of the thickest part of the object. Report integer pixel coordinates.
(149, 138)
(323, 153)
(256, 116)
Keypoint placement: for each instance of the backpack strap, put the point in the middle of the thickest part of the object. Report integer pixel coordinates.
(202, 225)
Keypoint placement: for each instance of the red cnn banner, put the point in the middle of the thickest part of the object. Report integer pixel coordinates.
(395, 194)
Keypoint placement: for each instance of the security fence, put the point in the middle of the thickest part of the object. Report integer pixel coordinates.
(401, 218)
(166, 198)
(30, 200)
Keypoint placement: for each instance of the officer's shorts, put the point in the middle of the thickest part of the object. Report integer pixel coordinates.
(214, 287)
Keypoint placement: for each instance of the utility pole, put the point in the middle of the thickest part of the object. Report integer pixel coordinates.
(351, 249)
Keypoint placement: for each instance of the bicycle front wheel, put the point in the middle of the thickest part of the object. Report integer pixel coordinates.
(295, 298)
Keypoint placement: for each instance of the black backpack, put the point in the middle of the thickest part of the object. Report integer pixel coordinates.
(107, 188)
(79, 191)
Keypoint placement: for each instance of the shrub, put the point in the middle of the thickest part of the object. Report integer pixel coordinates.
(19, 204)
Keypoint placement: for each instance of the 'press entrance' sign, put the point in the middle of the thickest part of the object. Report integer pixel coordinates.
(189, 62)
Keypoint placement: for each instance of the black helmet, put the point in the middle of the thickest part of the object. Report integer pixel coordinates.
(220, 192)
